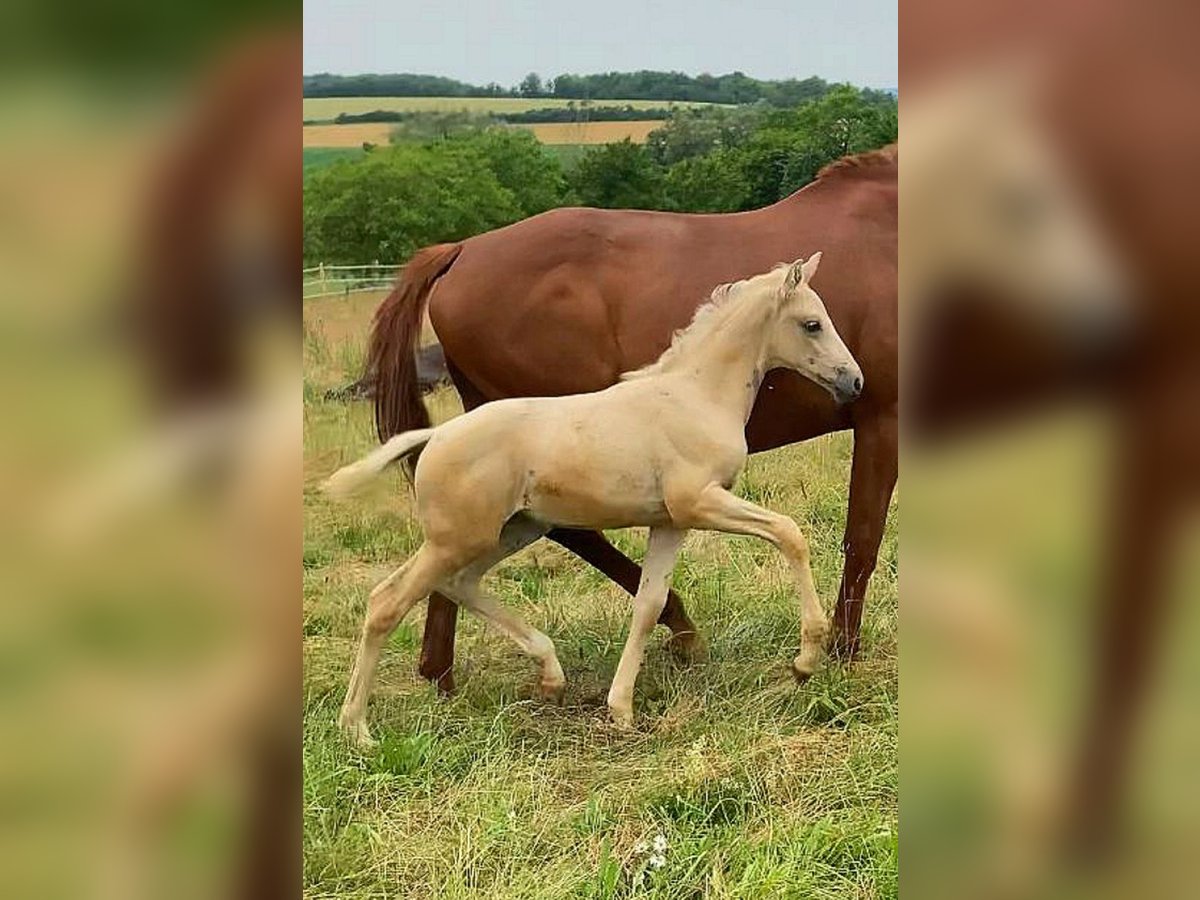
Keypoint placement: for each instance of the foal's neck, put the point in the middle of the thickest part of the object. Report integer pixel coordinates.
(730, 360)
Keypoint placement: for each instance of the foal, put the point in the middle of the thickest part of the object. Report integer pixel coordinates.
(661, 448)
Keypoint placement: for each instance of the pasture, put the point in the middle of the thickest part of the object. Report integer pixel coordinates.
(734, 783)
(318, 109)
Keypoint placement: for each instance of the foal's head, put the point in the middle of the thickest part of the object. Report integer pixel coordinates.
(804, 338)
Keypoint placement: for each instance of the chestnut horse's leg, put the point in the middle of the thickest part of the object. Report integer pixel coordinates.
(441, 615)
(1156, 485)
(872, 480)
(594, 548)
(437, 646)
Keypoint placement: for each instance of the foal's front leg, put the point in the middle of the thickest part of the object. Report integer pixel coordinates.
(716, 509)
(661, 550)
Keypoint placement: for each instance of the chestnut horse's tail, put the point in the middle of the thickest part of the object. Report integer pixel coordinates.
(390, 355)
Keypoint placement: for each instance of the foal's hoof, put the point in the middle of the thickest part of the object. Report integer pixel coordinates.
(358, 733)
(801, 675)
(552, 691)
(622, 717)
(688, 646)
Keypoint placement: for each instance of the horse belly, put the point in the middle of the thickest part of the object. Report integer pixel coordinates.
(598, 498)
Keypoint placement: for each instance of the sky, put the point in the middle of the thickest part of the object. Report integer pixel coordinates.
(480, 41)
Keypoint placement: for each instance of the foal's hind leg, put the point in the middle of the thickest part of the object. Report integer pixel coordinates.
(390, 602)
(717, 509)
(464, 589)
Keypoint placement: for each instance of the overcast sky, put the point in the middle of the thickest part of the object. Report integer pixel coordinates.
(501, 40)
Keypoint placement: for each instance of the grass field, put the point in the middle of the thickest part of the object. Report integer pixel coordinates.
(353, 135)
(757, 787)
(327, 108)
(316, 157)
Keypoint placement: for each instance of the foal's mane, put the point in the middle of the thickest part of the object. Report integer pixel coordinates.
(709, 317)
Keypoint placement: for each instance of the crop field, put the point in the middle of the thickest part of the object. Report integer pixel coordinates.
(318, 109)
(735, 782)
(347, 135)
(592, 132)
(353, 135)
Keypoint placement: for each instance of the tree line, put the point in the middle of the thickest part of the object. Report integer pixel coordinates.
(572, 113)
(731, 88)
(394, 200)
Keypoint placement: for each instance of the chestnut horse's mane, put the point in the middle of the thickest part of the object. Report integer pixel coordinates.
(855, 163)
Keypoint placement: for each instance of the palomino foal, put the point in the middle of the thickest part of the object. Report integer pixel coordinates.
(661, 448)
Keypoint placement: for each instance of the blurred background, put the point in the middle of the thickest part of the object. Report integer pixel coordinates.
(150, 244)
(1049, 465)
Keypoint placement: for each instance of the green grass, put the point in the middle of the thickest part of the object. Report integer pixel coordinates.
(316, 157)
(327, 108)
(760, 788)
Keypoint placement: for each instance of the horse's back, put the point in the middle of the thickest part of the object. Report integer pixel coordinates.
(538, 307)
(566, 301)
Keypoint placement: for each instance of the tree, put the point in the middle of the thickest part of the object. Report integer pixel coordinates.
(620, 175)
(712, 183)
(792, 146)
(695, 132)
(531, 85)
(521, 164)
(393, 201)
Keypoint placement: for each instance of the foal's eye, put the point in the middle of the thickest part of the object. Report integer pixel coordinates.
(812, 326)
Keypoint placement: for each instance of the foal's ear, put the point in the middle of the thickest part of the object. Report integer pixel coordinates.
(794, 277)
(809, 268)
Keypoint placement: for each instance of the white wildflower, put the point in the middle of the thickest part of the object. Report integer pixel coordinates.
(657, 861)
(641, 847)
(660, 843)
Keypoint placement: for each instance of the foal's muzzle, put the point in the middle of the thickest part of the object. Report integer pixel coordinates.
(847, 384)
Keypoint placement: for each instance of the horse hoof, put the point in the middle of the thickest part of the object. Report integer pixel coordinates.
(622, 718)
(801, 675)
(444, 682)
(552, 691)
(688, 646)
(843, 648)
(358, 733)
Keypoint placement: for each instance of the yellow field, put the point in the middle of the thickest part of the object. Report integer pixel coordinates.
(592, 132)
(347, 135)
(317, 108)
(547, 133)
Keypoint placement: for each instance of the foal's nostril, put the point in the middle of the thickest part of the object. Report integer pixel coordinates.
(858, 385)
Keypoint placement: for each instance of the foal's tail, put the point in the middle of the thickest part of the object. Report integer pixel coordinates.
(348, 479)
(390, 363)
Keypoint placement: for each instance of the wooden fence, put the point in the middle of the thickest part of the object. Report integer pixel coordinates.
(329, 281)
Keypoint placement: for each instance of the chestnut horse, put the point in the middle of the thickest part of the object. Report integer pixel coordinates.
(564, 302)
